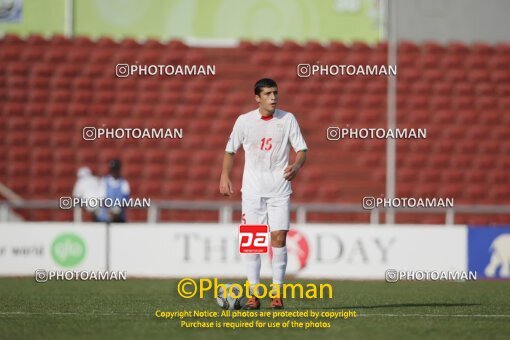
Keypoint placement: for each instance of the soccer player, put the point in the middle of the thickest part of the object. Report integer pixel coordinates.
(266, 135)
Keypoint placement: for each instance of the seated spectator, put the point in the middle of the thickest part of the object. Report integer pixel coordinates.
(88, 186)
(116, 188)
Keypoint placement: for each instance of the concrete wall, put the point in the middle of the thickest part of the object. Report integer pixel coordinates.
(449, 20)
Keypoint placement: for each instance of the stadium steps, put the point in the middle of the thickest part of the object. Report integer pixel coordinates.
(459, 92)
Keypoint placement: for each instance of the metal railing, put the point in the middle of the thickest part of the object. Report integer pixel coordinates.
(226, 209)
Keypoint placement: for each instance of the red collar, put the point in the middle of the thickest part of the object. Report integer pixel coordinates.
(266, 118)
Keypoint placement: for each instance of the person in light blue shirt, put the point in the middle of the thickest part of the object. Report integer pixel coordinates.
(115, 187)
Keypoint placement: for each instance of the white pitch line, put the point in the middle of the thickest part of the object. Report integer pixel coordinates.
(440, 315)
(66, 313)
(359, 315)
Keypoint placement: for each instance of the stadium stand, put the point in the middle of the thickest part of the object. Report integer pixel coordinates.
(51, 89)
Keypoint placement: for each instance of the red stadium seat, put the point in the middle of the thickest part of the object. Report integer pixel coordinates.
(468, 146)
(416, 116)
(39, 187)
(440, 102)
(431, 47)
(82, 41)
(490, 118)
(482, 49)
(66, 171)
(499, 177)
(416, 161)
(475, 62)
(406, 175)
(38, 138)
(199, 173)
(155, 156)
(10, 54)
(453, 61)
(432, 74)
(457, 48)
(477, 132)
(503, 48)
(149, 44)
(454, 175)
(467, 117)
(328, 193)
(18, 124)
(59, 40)
(476, 176)
(485, 162)
(445, 117)
(176, 172)
(419, 101)
(132, 172)
(129, 43)
(95, 70)
(462, 161)
(171, 190)
(87, 156)
(426, 190)
(154, 171)
(490, 147)
(479, 76)
(18, 168)
(499, 62)
(16, 82)
(19, 69)
(408, 47)
(313, 46)
(463, 103)
(16, 138)
(64, 155)
(36, 39)
(440, 161)
(449, 191)
(500, 193)
(195, 189)
(11, 39)
(34, 54)
(63, 187)
(289, 45)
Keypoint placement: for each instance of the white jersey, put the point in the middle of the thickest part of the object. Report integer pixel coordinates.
(266, 143)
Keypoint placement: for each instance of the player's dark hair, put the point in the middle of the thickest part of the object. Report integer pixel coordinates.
(264, 82)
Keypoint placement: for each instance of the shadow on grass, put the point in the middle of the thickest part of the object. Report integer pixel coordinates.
(399, 305)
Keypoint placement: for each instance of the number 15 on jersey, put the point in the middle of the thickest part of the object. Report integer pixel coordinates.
(266, 144)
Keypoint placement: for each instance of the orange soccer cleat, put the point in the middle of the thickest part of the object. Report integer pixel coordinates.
(252, 303)
(277, 303)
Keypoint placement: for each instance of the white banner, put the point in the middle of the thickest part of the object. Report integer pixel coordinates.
(315, 250)
(211, 250)
(26, 247)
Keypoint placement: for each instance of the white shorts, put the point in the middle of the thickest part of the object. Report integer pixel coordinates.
(273, 211)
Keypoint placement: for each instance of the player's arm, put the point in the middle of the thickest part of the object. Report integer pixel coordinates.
(291, 170)
(225, 183)
(298, 143)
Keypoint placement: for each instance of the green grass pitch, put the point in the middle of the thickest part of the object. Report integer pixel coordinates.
(126, 310)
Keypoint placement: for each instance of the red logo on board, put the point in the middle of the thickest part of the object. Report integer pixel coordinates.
(253, 239)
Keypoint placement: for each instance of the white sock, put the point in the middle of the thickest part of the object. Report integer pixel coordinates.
(279, 264)
(253, 264)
